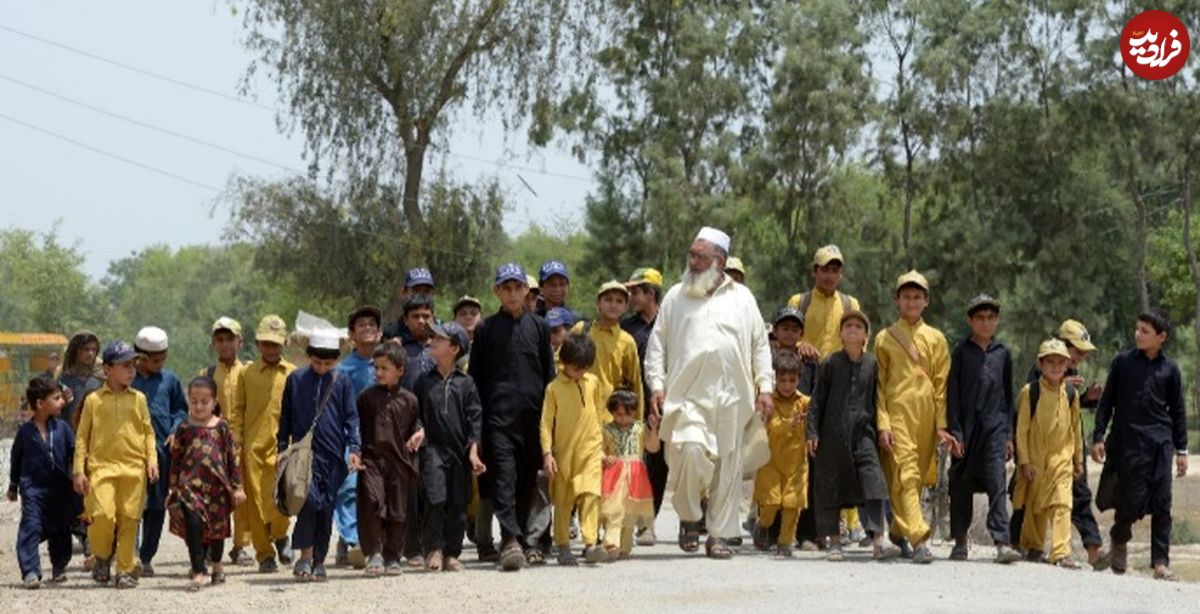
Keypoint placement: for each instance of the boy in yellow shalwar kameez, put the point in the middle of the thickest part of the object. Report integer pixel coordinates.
(115, 454)
(573, 452)
(914, 366)
(782, 484)
(617, 364)
(1050, 457)
(254, 418)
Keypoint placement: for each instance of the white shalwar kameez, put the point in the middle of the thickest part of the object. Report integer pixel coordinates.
(710, 356)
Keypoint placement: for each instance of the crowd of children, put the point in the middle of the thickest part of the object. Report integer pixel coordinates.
(425, 429)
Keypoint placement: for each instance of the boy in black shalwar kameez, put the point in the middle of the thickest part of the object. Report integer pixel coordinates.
(841, 440)
(451, 413)
(390, 423)
(512, 363)
(1144, 400)
(979, 409)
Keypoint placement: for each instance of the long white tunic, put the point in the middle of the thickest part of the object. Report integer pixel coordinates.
(710, 356)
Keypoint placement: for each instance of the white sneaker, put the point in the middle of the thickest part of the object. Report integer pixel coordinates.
(647, 537)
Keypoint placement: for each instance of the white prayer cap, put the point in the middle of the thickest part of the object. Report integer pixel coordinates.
(324, 340)
(151, 339)
(714, 236)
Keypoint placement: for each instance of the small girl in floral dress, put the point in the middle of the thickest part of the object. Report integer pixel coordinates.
(205, 481)
(627, 497)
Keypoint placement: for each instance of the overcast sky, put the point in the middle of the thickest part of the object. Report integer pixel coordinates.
(114, 207)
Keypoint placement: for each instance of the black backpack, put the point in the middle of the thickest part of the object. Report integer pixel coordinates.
(1035, 391)
(806, 301)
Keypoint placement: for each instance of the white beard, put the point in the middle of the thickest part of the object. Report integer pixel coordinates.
(698, 285)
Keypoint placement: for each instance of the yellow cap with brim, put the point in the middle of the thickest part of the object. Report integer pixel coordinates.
(532, 282)
(645, 275)
(735, 264)
(271, 329)
(912, 278)
(1053, 347)
(827, 254)
(229, 324)
(1074, 332)
(612, 286)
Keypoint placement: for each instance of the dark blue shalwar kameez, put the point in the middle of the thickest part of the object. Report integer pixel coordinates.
(336, 433)
(40, 471)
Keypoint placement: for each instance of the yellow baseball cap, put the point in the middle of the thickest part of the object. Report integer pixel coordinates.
(532, 282)
(735, 264)
(1074, 332)
(272, 329)
(1053, 347)
(612, 286)
(912, 277)
(645, 275)
(828, 254)
(229, 324)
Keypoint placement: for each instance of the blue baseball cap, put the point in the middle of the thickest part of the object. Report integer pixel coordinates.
(418, 277)
(455, 333)
(510, 271)
(558, 316)
(551, 268)
(117, 352)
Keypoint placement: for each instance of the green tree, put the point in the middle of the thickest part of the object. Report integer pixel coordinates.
(372, 85)
(45, 288)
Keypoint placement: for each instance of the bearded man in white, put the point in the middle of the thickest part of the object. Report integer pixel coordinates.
(709, 369)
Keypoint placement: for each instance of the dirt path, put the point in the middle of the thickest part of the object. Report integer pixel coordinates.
(658, 578)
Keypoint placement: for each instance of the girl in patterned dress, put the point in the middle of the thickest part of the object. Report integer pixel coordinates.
(627, 496)
(205, 482)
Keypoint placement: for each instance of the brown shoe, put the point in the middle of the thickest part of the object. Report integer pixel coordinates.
(1120, 558)
(433, 562)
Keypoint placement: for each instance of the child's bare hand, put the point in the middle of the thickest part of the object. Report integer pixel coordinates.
(355, 462)
(477, 466)
(550, 467)
(1077, 471)
(415, 442)
(239, 496)
(1028, 472)
(12, 495)
(797, 418)
(1098, 452)
(609, 461)
(1181, 465)
(886, 442)
(152, 473)
(1008, 451)
(81, 485)
(812, 447)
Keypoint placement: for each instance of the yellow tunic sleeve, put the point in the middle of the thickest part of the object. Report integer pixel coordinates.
(150, 447)
(854, 304)
(794, 302)
(940, 377)
(237, 413)
(1023, 416)
(83, 437)
(883, 364)
(549, 411)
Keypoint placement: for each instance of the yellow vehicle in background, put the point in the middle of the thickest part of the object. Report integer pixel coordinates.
(22, 357)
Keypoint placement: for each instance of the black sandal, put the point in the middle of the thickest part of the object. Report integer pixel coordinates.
(689, 536)
(534, 556)
(218, 577)
(717, 549)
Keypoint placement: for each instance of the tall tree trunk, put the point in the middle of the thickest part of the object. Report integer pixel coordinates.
(1185, 203)
(1143, 223)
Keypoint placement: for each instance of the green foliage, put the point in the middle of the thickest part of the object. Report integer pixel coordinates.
(45, 289)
